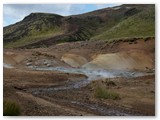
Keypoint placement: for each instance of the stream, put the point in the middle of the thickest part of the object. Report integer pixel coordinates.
(91, 75)
(5, 65)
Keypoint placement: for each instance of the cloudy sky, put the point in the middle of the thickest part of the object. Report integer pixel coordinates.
(13, 13)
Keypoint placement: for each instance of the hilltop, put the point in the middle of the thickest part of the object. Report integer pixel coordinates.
(43, 29)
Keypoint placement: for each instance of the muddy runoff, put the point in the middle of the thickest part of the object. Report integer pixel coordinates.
(47, 93)
(74, 85)
(91, 75)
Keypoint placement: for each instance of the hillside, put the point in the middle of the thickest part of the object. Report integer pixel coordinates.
(32, 28)
(101, 63)
(139, 25)
(43, 30)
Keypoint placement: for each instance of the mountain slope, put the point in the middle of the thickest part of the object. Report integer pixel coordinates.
(43, 30)
(32, 28)
(139, 25)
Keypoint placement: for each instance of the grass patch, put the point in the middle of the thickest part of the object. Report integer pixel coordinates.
(11, 108)
(105, 94)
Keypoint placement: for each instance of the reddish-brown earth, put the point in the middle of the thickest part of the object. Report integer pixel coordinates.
(40, 92)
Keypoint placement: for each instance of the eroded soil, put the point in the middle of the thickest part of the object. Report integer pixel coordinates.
(53, 92)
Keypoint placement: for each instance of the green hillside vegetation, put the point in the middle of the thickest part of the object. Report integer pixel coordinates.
(43, 29)
(139, 25)
(34, 27)
(35, 37)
